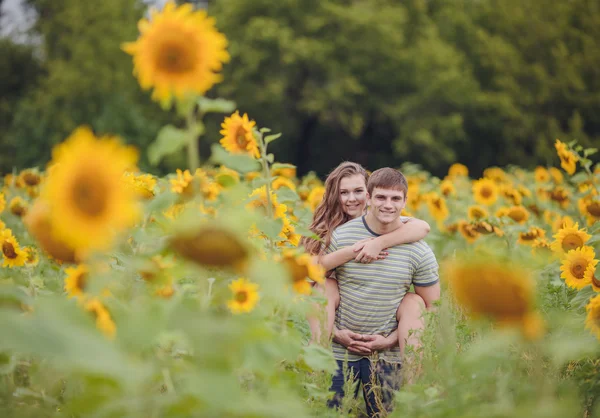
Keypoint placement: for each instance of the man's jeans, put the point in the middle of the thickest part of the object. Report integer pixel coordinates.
(386, 377)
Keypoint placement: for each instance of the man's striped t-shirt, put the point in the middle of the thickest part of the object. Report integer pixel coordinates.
(371, 293)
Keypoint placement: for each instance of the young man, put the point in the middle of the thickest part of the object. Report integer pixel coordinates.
(365, 323)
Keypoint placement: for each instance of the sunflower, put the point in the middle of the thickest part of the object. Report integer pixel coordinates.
(540, 246)
(315, 197)
(258, 200)
(592, 321)
(458, 170)
(437, 207)
(12, 253)
(18, 206)
(142, 185)
(485, 191)
(288, 234)
(447, 188)
(2, 202)
(511, 194)
(578, 267)
(179, 51)
(212, 246)
(486, 228)
(76, 280)
(518, 214)
(88, 201)
(174, 211)
(493, 288)
(210, 189)
(182, 184)
(32, 256)
(467, 231)
(30, 178)
(104, 321)
(245, 296)
(284, 170)
(238, 135)
(559, 195)
(153, 269)
(589, 207)
(557, 176)
(302, 270)
(568, 159)
(39, 224)
(252, 175)
(569, 237)
(541, 175)
(595, 280)
(280, 182)
(477, 212)
(527, 238)
(495, 173)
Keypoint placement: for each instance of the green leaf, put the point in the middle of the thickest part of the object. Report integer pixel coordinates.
(264, 130)
(270, 158)
(583, 297)
(319, 358)
(286, 195)
(215, 105)
(270, 227)
(238, 162)
(168, 141)
(589, 151)
(271, 138)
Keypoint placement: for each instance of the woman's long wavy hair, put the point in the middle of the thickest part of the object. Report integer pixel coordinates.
(330, 214)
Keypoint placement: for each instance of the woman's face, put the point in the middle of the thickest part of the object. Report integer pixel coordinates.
(353, 195)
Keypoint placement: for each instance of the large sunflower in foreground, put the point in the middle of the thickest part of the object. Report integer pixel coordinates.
(485, 191)
(238, 135)
(245, 296)
(569, 238)
(179, 51)
(88, 201)
(578, 267)
(592, 321)
(503, 292)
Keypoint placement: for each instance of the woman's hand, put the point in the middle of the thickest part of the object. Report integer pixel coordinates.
(369, 250)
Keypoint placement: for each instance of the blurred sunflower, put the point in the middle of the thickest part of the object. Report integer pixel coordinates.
(496, 174)
(315, 197)
(556, 175)
(518, 214)
(568, 159)
(12, 253)
(284, 170)
(179, 51)
(280, 182)
(182, 184)
(541, 175)
(589, 207)
(212, 246)
(18, 206)
(437, 207)
(485, 191)
(252, 175)
(501, 291)
(595, 280)
(527, 238)
(302, 271)
(486, 228)
(76, 280)
(245, 296)
(468, 232)
(2, 202)
(104, 321)
(592, 321)
(447, 188)
(511, 194)
(458, 170)
(559, 195)
(32, 256)
(477, 212)
(88, 202)
(258, 200)
(142, 185)
(578, 267)
(30, 177)
(569, 237)
(288, 234)
(238, 135)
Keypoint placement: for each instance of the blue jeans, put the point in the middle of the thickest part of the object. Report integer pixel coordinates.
(386, 378)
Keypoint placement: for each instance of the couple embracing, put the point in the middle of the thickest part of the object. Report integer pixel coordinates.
(373, 256)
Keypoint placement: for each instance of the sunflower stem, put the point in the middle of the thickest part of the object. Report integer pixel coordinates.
(193, 148)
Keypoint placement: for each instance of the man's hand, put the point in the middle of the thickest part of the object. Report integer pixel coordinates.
(377, 342)
(352, 341)
(369, 250)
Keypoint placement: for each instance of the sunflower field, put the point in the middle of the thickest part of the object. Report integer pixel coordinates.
(124, 294)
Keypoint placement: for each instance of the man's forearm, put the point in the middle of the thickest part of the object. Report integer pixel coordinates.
(392, 339)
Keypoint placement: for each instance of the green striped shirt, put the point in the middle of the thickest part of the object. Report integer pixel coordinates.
(371, 293)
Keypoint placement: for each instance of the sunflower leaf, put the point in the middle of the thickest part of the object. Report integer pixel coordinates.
(583, 296)
(271, 138)
(168, 141)
(239, 162)
(215, 105)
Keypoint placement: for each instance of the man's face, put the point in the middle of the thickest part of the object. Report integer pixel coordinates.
(386, 204)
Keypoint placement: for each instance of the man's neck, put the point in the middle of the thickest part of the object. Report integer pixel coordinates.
(378, 227)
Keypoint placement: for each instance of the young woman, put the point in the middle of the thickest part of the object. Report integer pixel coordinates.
(345, 199)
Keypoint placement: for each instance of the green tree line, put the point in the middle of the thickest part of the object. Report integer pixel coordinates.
(380, 82)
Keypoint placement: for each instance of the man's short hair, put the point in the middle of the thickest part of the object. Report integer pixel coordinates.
(387, 178)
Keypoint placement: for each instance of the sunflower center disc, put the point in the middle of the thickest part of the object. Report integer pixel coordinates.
(241, 296)
(594, 209)
(578, 271)
(89, 197)
(571, 242)
(8, 250)
(175, 58)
